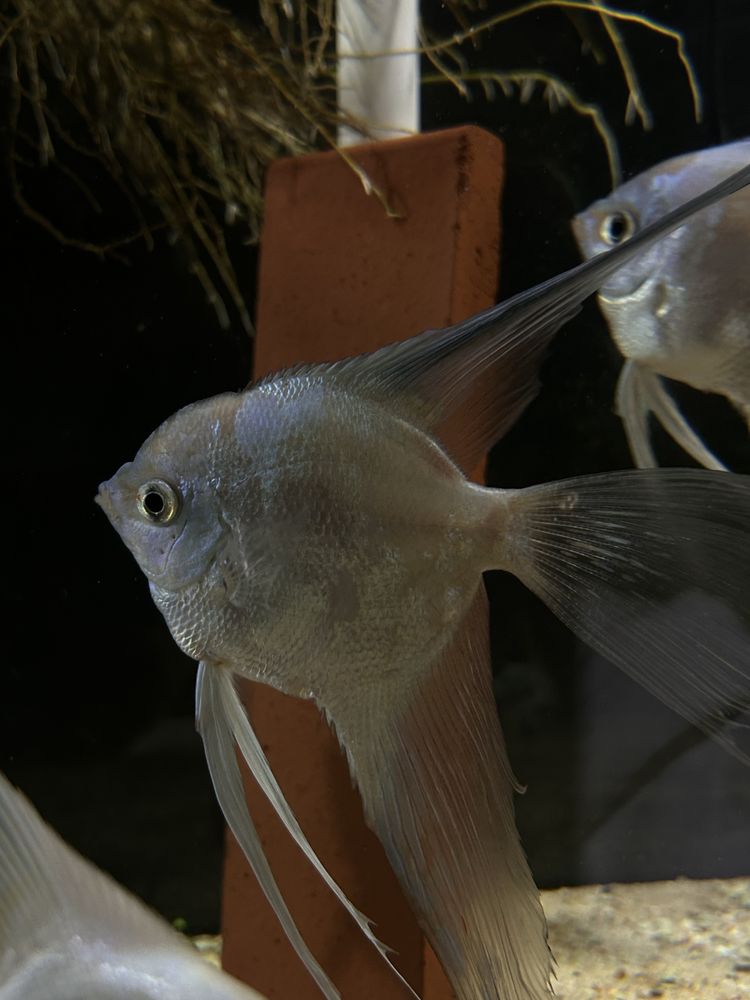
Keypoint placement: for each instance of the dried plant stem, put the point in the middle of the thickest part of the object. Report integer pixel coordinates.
(556, 90)
(185, 107)
(606, 12)
(636, 101)
(588, 6)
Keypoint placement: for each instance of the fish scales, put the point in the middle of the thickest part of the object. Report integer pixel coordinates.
(314, 533)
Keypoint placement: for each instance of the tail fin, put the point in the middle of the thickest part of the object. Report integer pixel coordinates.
(652, 569)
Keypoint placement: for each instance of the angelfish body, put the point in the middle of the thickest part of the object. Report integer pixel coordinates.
(68, 932)
(316, 534)
(328, 585)
(682, 309)
(348, 579)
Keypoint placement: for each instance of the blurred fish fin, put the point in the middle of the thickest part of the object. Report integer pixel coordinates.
(49, 893)
(634, 411)
(486, 367)
(437, 789)
(651, 569)
(222, 720)
(641, 391)
(29, 853)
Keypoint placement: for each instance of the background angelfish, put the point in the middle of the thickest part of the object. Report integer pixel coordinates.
(313, 533)
(682, 309)
(69, 932)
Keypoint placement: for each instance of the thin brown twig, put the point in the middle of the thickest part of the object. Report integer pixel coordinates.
(186, 108)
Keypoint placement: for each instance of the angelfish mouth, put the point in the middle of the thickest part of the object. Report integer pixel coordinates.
(103, 499)
(640, 291)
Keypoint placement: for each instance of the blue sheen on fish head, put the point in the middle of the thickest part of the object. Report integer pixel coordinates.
(165, 504)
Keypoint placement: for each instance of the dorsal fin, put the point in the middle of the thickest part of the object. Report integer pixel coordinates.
(487, 366)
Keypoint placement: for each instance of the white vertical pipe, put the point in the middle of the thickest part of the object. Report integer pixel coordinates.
(382, 92)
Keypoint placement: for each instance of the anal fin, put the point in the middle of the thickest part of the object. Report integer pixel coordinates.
(438, 790)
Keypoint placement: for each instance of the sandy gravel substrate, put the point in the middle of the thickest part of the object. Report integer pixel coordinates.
(681, 940)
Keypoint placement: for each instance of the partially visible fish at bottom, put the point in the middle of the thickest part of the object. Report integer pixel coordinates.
(681, 309)
(69, 932)
(315, 533)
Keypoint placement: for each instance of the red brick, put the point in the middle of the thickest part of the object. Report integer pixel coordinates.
(339, 277)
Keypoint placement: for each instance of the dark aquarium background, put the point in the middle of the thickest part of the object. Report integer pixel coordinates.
(96, 709)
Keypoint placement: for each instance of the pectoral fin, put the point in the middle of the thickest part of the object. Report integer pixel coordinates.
(438, 790)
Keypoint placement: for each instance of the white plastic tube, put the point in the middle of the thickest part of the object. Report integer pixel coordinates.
(381, 91)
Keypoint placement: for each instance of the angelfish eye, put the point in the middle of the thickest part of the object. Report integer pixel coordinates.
(158, 501)
(616, 228)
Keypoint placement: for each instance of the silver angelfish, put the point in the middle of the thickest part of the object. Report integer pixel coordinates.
(315, 534)
(682, 309)
(69, 932)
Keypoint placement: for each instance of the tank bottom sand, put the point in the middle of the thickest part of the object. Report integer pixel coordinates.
(680, 940)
